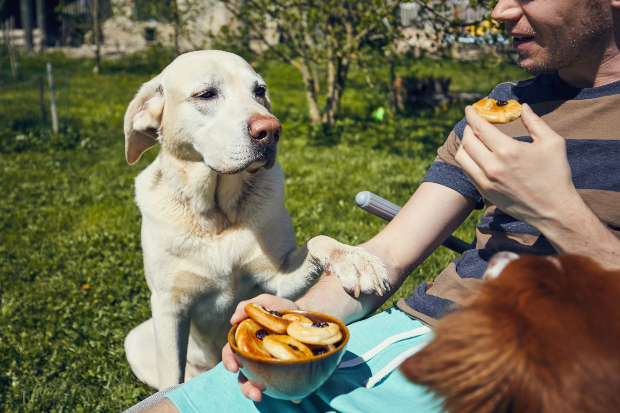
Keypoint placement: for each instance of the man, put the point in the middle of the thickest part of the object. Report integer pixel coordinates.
(550, 186)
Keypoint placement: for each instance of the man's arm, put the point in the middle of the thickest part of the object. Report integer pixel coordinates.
(433, 212)
(533, 183)
(429, 217)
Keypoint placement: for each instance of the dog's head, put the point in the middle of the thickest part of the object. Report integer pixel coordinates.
(206, 106)
(543, 335)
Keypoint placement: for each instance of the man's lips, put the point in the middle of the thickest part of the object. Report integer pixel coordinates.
(520, 42)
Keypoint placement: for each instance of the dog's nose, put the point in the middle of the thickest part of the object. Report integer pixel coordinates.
(265, 130)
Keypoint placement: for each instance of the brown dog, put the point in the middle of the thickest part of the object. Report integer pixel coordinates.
(544, 336)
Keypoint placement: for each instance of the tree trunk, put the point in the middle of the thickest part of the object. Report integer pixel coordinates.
(337, 71)
(396, 87)
(26, 12)
(311, 96)
(96, 33)
(41, 23)
(315, 79)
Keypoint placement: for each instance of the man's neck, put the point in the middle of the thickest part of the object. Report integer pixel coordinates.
(594, 73)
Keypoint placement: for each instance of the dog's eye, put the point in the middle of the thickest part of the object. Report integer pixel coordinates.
(207, 94)
(260, 91)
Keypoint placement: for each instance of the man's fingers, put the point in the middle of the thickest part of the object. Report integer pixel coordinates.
(475, 174)
(230, 361)
(475, 148)
(266, 300)
(535, 125)
(486, 132)
(239, 314)
(250, 389)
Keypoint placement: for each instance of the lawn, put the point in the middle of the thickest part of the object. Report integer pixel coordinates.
(71, 278)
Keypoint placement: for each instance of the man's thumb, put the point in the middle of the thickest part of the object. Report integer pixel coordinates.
(537, 127)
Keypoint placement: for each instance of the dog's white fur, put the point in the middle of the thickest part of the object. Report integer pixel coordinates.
(214, 227)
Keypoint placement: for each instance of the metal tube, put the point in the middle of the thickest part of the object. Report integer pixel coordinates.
(386, 210)
(50, 78)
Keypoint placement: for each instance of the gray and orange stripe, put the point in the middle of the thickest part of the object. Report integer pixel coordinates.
(589, 121)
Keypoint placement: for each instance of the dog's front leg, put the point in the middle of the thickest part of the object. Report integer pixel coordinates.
(358, 270)
(298, 272)
(171, 338)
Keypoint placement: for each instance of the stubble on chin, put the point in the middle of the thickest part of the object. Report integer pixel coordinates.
(548, 62)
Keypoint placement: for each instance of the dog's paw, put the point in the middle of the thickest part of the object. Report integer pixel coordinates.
(358, 270)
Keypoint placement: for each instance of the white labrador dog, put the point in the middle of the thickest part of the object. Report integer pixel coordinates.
(214, 227)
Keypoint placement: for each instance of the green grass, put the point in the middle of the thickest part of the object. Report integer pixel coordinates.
(67, 215)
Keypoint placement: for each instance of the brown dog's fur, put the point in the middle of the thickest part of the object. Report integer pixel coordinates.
(543, 337)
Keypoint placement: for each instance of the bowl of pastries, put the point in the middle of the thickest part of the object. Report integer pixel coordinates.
(292, 352)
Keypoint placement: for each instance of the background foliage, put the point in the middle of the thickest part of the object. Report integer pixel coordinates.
(324, 39)
(71, 277)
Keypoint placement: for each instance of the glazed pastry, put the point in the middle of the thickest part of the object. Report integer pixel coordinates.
(271, 319)
(498, 111)
(286, 348)
(296, 317)
(249, 337)
(318, 332)
(318, 350)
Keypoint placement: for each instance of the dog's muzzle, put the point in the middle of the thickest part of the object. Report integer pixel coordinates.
(265, 133)
(265, 158)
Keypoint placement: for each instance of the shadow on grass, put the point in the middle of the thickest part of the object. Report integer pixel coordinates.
(28, 134)
(417, 132)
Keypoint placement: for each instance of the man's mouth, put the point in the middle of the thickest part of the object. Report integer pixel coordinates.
(521, 41)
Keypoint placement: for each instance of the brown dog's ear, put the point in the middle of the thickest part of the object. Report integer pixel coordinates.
(143, 119)
(463, 365)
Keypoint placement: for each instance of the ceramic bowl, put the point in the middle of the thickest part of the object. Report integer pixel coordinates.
(292, 380)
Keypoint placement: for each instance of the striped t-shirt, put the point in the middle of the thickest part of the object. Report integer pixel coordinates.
(589, 120)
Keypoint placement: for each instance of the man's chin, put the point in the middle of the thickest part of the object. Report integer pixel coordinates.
(534, 66)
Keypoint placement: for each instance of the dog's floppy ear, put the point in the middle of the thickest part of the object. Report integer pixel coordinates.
(143, 119)
(464, 366)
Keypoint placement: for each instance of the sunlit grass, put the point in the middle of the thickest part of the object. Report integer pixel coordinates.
(68, 219)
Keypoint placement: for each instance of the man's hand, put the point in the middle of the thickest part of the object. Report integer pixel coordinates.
(533, 183)
(529, 181)
(250, 389)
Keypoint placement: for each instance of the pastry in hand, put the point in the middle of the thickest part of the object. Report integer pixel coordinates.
(498, 111)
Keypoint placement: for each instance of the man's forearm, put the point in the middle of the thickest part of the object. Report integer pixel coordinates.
(428, 218)
(328, 297)
(576, 230)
